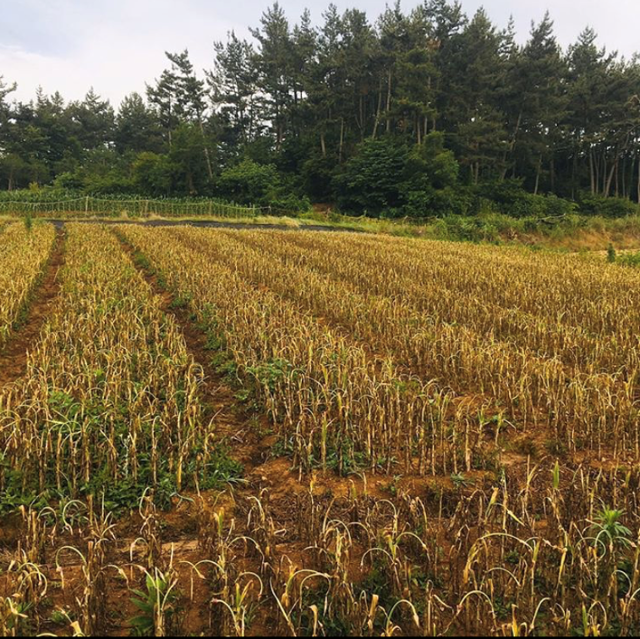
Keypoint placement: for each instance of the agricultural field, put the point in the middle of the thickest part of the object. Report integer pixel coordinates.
(294, 433)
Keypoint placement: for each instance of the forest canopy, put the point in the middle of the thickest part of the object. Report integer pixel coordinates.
(422, 113)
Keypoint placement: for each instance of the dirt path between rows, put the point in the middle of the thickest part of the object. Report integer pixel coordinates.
(13, 358)
(247, 433)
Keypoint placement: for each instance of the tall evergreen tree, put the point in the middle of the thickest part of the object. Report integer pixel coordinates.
(274, 63)
(233, 90)
(540, 79)
(93, 119)
(183, 98)
(478, 69)
(137, 127)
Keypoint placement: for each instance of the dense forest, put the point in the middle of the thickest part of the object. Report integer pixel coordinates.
(419, 113)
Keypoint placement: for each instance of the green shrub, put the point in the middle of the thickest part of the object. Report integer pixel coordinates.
(509, 198)
(317, 175)
(557, 207)
(152, 173)
(629, 259)
(250, 183)
(610, 207)
(290, 203)
(431, 202)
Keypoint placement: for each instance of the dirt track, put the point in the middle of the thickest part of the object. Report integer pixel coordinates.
(209, 224)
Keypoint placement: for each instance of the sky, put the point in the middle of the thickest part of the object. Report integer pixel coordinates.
(115, 46)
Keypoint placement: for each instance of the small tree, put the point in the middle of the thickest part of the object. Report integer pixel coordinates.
(250, 183)
(370, 181)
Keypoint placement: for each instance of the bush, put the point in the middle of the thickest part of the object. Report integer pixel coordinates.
(485, 228)
(431, 166)
(317, 175)
(509, 198)
(431, 202)
(629, 259)
(69, 182)
(290, 203)
(152, 173)
(250, 183)
(558, 207)
(611, 207)
(430, 187)
(109, 184)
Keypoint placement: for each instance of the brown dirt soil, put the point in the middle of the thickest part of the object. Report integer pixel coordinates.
(13, 358)
(243, 434)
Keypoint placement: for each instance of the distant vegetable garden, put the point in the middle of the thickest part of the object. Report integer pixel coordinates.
(43, 205)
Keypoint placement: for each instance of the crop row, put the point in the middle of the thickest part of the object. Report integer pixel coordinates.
(23, 257)
(506, 294)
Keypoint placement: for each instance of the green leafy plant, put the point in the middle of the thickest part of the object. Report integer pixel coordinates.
(28, 222)
(158, 606)
(629, 259)
(608, 530)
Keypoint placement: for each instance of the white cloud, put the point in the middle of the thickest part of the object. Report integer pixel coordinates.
(116, 52)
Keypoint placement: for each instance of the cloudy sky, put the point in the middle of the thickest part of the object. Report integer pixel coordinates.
(117, 45)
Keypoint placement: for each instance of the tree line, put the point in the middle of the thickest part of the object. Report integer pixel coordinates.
(420, 113)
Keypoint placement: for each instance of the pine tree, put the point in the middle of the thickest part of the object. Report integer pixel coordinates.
(539, 77)
(475, 110)
(137, 127)
(181, 98)
(234, 92)
(274, 62)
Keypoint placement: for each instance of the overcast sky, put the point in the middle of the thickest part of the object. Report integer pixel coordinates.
(117, 45)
